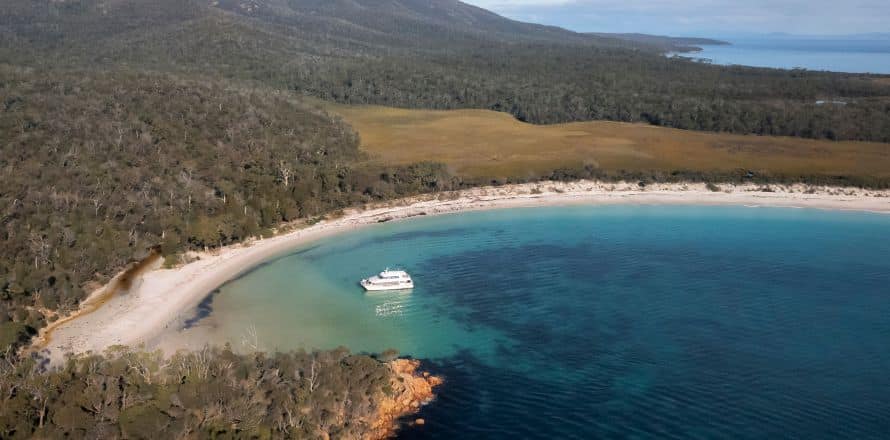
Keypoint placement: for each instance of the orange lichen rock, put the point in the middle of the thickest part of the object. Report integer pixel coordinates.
(412, 389)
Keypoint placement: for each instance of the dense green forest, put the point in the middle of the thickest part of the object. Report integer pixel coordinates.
(98, 169)
(133, 125)
(669, 44)
(442, 54)
(129, 125)
(212, 393)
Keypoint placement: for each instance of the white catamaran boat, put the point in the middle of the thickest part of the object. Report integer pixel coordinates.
(388, 280)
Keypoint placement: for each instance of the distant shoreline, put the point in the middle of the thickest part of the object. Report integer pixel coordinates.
(838, 55)
(156, 296)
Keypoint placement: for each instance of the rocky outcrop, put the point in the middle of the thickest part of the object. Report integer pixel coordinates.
(411, 389)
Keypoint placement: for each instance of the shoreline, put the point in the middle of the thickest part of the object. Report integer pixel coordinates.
(156, 296)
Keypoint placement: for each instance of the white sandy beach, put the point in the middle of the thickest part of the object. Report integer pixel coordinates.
(158, 297)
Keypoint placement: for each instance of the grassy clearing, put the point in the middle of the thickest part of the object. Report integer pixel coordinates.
(487, 144)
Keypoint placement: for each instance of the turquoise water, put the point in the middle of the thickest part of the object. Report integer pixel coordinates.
(838, 55)
(618, 321)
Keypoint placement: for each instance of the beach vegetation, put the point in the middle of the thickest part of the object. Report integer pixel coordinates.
(210, 393)
(388, 355)
(116, 141)
(171, 260)
(172, 126)
(13, 333)
(99, 169)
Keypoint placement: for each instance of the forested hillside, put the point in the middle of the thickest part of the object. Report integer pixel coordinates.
(175, 123)
(205, 394)
(441, 54)
(98, 169)
(128, 126)
(676, 44)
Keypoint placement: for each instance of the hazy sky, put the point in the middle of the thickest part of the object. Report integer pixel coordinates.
(701, 17)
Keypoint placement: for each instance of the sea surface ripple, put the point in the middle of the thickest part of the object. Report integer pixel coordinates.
(604, 322)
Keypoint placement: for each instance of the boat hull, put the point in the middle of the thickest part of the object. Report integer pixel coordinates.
(374, 287)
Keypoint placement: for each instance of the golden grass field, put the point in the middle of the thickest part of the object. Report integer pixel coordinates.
(481, 143)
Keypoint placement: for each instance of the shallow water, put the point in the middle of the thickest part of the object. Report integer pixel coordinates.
(610, 321)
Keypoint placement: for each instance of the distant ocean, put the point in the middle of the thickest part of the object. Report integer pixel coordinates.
(663, 322)
(854, 55)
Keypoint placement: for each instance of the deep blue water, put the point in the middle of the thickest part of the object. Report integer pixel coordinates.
(862, 55)
(609, 322)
